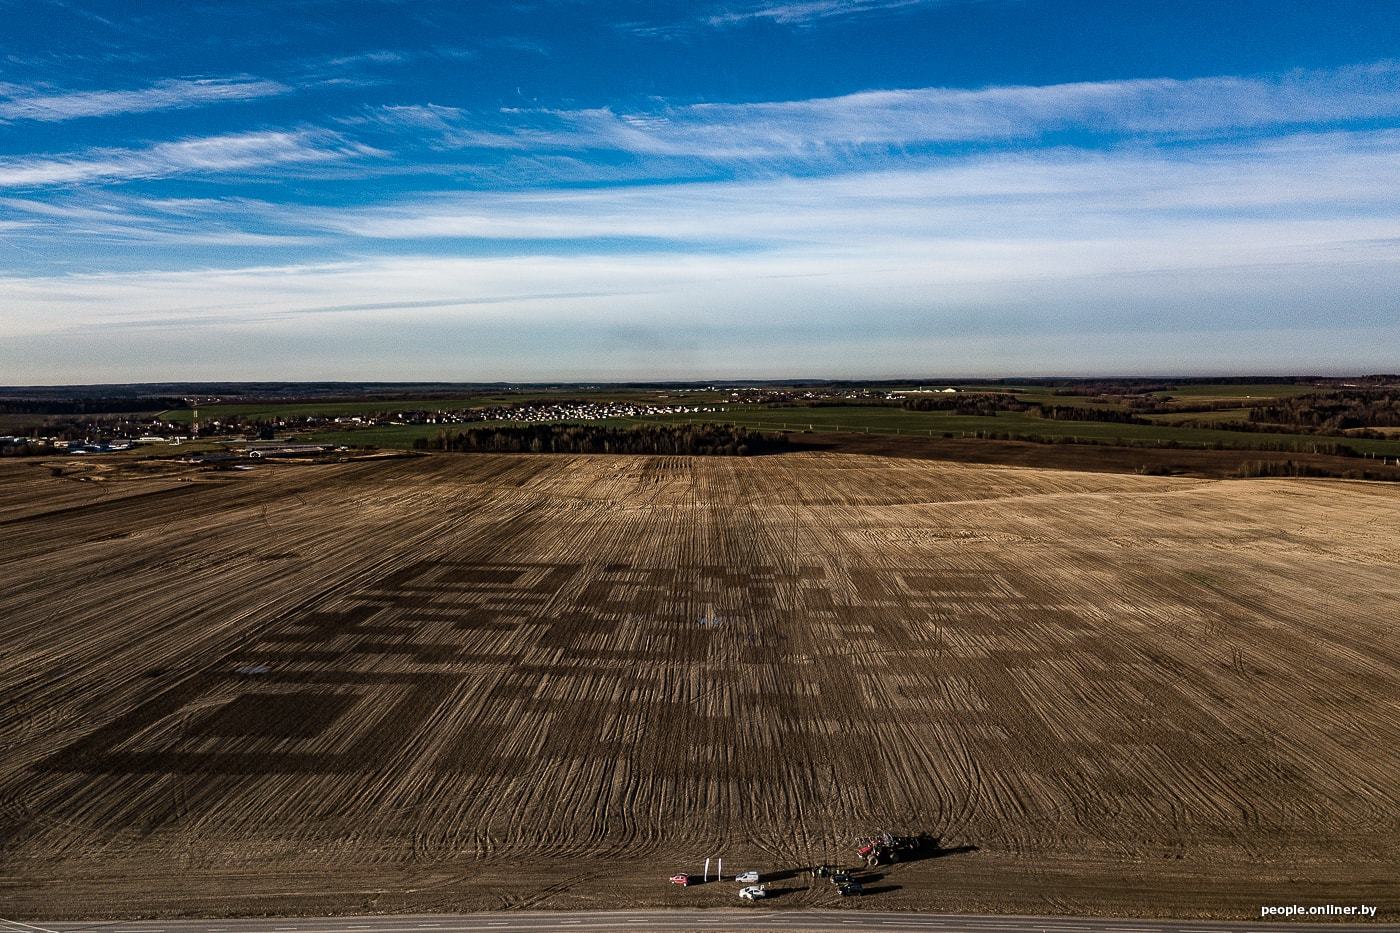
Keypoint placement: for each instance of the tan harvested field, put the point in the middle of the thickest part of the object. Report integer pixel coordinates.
(475, 681)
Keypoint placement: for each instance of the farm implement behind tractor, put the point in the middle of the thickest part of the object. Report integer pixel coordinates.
(888, 848)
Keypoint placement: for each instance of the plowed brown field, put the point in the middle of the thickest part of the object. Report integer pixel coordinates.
(457, 682)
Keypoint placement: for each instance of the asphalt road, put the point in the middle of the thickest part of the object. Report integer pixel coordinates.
(716, 921)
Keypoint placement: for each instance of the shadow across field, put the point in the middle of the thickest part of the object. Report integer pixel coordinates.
(939, 852)
(785, 874)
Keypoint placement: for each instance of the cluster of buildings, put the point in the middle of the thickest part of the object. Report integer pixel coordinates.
(757, 396)
(577, 410)
(104, 446)
(583, 411)
(924, 390)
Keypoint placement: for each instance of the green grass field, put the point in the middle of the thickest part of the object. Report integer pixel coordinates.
(897, 421)
(1244, 392)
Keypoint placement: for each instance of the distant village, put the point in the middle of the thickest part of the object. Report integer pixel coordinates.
(106, 435)
(569, 410)
(78, 435)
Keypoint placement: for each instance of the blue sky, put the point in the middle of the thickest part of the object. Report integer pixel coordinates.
(564, 189)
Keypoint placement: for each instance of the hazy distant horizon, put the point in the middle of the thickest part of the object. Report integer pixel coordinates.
(636, 190)
(930, 381)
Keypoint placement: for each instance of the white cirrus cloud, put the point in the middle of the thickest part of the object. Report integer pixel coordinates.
(50, 105)
(209, 154)
(1303, 197)
(1287, 183)
(802, 12)
(913, 117)
(793, 13)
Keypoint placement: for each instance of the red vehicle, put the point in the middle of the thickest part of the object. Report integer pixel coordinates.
(681, 879)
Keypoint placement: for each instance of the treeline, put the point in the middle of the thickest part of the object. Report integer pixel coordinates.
(1114, 388)
(1154, 405)
(26, 448)
(1301, 446)
(1086, 413)
(86, 406)
(1256, 468)
(78, 427)
(686, 439)
(1265, 427)
(1333, 411)
(965, 404)
(990, 404)
(1251, 468)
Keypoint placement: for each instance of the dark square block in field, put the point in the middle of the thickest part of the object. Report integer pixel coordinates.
(302, 715)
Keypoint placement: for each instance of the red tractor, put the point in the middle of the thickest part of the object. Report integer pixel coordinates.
(887, 847)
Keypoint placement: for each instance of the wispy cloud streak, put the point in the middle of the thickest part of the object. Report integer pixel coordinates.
(798, 14)
(1139, 209)
(1309, 198)
(803, 12)
(48, 105)
(210, 154)
(931, 116)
